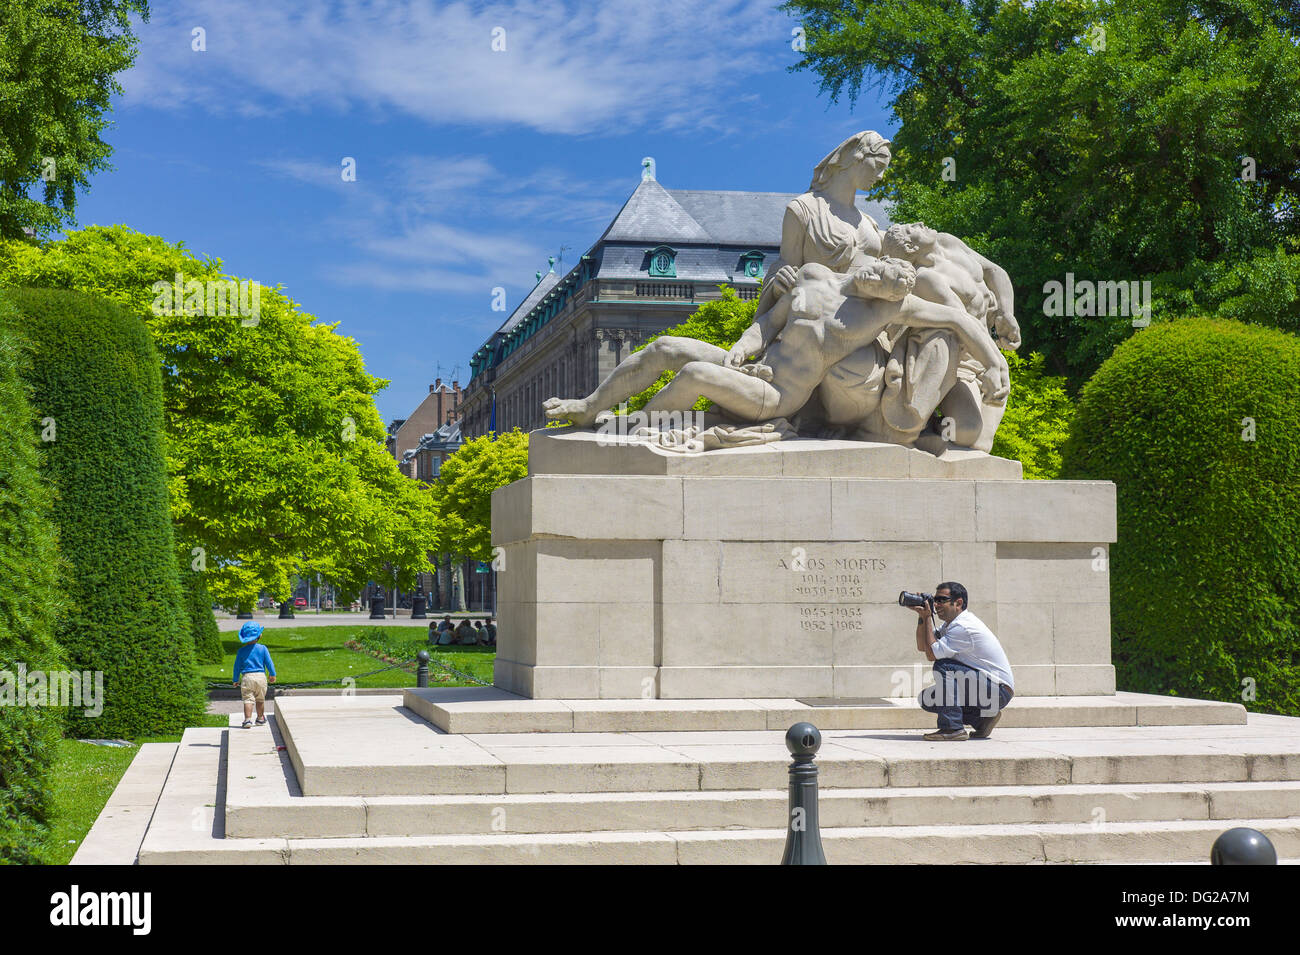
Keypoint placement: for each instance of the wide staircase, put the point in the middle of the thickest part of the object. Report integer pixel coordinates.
(479, 776)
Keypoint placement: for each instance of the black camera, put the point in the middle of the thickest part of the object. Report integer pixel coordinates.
(906, 599)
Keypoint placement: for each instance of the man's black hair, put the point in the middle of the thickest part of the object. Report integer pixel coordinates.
(957, 591)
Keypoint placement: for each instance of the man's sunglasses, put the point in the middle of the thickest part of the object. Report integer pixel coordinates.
(943, 600)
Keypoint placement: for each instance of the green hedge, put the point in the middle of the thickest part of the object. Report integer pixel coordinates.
(198, 609)
(1198, 424)
(29, 606)
(96, 374)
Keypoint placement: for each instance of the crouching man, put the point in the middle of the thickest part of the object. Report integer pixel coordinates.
(972, 678)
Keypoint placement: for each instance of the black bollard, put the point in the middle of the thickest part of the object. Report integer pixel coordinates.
(1243, 846)
(377, 608)
(417, 607)
(286, 610)
(803, 838)
(422, 668)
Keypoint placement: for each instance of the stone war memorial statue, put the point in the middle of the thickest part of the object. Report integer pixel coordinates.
(768, 566)
(858, 333)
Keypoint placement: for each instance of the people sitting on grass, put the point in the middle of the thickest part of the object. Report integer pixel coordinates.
(465, 635)
(490, 629)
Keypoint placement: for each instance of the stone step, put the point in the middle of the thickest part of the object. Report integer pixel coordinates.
(1185, 842)
(489, 710)
(376, 747)
(263, 800)
(186, 828)
(115, 837)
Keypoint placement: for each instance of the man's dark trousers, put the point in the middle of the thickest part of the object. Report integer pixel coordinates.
(963, 695)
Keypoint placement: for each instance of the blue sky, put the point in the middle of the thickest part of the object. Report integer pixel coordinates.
(473, 165)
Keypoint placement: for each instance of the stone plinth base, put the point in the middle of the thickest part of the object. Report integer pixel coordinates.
(774, 572)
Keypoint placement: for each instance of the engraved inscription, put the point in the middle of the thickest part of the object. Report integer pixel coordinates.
(835, 583)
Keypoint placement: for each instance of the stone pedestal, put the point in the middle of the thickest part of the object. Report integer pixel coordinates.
(774, 571)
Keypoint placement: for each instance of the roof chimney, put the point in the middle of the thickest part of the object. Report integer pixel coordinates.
(437, 382)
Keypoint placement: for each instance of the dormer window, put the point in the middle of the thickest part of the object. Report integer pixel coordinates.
(663, 262)
(751, 264)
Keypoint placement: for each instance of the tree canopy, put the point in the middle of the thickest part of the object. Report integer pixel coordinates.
(58, 66)
(464, 491)
(1118, 140)
(276, 454)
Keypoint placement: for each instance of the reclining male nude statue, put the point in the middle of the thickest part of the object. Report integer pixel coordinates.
(824, 317)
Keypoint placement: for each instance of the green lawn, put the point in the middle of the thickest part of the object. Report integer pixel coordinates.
(401, 643)
(316, 654)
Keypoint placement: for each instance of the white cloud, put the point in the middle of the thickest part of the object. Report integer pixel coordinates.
(456, 224)
(568, 67)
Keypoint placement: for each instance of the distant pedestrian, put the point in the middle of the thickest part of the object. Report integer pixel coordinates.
(252, 666)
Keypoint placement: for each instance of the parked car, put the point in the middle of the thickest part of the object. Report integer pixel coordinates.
(299, 602)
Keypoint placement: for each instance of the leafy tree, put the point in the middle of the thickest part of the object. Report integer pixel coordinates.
(30, 604)
(275, 449)
(464, 491)
(58, 66)
(1196, 422)
(1113, 139)
(719, 322)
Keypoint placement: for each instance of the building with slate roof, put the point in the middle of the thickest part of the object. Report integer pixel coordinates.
(439, 407)
(665, 253)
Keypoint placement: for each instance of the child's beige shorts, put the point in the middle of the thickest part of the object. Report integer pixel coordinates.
(252, 687)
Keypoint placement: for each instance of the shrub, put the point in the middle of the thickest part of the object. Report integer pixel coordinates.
(29, 605)
(1196, 422)
(1037, 420)
(95, 374)
(198, 610)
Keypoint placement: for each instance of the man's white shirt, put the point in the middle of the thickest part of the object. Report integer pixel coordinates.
(966, 639)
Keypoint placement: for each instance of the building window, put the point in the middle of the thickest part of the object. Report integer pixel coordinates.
(663, 262)
(751, 264)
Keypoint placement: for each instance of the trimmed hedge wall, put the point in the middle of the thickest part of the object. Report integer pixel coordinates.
(95, 373)
(198, 608)
(29, 606)
(1198, 424)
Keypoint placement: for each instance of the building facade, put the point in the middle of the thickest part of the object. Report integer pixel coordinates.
(665, 253)
(440, 407)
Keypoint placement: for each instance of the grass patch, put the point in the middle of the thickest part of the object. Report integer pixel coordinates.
(399, 643)
(318, 654)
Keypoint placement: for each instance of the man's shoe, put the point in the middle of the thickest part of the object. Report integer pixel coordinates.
(946, 735)
(985, 728)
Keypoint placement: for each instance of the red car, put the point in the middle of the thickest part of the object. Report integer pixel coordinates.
(299, 602)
